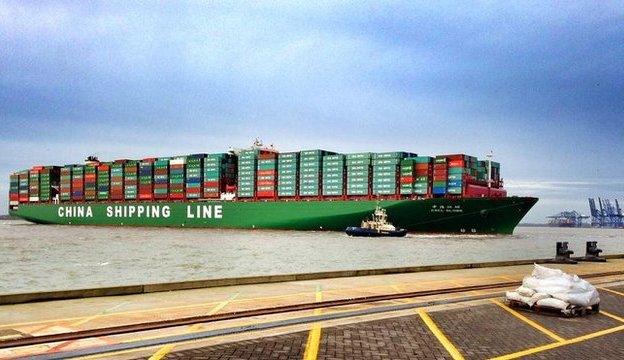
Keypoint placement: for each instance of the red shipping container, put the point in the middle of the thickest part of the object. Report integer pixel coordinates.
(265, 194)
(211, 184)
(176, 196)
(146, 196)
(422, 166)
(193, 190)
(14, 197)
(455, 156)
(407, 180)
(440, 173)
(266, 172)
(439, 166)
(266, 182)
(456, 163)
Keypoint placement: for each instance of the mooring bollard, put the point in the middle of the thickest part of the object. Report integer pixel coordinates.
(592, 253)
(563, 254)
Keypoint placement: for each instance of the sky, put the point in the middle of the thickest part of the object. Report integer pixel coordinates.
(541, 84)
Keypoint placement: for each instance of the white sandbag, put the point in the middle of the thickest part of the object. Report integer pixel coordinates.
(553, 303)
(525, 291)
(539, 296)
(514, 295)
(559, 285)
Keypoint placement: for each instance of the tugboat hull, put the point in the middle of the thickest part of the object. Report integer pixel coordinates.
(358, 231)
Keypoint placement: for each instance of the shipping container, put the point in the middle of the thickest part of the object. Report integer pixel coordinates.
(33, 184)
(77, 183)
(161, 179)
(117, 180)
(66, 182)
(177, 178)
(195, 175)
(14, 198)
(90, 182)
(103, 181)
(288, 174)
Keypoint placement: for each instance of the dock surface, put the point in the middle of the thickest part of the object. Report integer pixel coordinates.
(450, 314)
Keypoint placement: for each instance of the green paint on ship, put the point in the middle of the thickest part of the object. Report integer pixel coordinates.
(463, 215)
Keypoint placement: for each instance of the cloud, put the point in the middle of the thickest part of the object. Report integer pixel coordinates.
(540, 84)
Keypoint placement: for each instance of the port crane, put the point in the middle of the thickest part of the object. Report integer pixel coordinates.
(606, 214)
(569, 218)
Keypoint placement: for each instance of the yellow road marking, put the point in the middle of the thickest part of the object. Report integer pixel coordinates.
(528, 321)
(615, 317)
(558, 344)
(611, 291)
(314, 336)
(164, 350)
(448, 345)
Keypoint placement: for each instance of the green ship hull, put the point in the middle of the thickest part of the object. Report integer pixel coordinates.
(464, 215)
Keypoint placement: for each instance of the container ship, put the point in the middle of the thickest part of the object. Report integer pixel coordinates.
(261, 188)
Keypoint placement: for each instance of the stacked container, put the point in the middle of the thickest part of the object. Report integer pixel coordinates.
(117, 180)
(194, 175)
(386, 172)
(359, 174)
(440, 173)
(161, 178)
(146, 179)
(131, 180)
(310, 172)
(496, 179)
(14, 189)
(334, 175)
(90, 182)
(407, 176)
(266, 184)
(423, 175)
(103, 181)
(24, 188)
(461, 169)
(66, 182)
(177, 167)
(78, 183)
(33, 183)
(247, 163)
(288, 174)
(215, 166)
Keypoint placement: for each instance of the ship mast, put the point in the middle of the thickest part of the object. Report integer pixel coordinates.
(489, 157)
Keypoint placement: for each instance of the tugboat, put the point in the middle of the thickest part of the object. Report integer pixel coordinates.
(376, 227)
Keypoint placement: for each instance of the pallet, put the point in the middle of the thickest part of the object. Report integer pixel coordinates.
(572, 311)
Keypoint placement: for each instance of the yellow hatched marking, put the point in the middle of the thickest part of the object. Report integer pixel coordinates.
(615, 317)
(611, 291)
(535, 325)
(314, 336)
(559, 344)
(164, 350)
(448, 345)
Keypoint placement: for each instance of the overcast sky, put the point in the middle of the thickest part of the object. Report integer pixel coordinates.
(539, 83)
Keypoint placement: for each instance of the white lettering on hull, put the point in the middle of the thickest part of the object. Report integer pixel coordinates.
(74, 211)
(204, 212)
(142, 211)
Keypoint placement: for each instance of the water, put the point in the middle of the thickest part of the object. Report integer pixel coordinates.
(53, 257)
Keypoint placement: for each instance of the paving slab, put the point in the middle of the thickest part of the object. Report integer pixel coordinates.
(608, 347)
(485, 331)
(404, 337)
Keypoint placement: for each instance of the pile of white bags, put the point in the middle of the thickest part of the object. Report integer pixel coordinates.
(554, 288)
